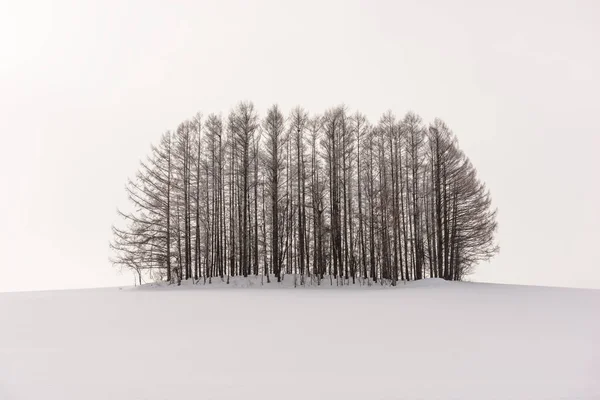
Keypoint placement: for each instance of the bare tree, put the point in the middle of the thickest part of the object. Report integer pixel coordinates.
(273, 126)
(297, 127)
(143, 245)
(244, 125)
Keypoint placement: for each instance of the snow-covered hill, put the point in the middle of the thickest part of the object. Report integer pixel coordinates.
(424, 340)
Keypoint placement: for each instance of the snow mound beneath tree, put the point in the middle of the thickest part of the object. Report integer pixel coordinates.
(429, 282)
(290, 281)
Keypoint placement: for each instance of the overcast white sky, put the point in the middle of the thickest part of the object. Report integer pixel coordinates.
(87, 86)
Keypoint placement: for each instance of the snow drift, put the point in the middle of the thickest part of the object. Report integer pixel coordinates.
(426, 340)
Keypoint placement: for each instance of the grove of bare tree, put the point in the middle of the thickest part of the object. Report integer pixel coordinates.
(307, 196)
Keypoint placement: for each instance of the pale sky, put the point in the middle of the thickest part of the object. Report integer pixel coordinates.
(87, 86)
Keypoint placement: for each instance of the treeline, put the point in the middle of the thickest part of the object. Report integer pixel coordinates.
(312, 196)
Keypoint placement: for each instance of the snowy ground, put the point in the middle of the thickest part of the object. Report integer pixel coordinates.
(426, 340)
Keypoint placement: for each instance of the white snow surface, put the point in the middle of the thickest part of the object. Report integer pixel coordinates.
(423, 340)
